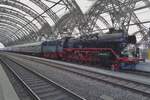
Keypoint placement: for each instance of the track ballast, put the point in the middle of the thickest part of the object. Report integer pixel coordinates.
(40, 87)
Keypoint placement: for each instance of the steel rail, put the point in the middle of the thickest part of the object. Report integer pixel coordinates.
(19, 78)
(102, 77)
(70, 93)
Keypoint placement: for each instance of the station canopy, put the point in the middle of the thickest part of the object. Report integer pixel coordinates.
(23, 21)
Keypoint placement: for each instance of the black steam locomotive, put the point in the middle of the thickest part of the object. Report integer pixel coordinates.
(92, 48)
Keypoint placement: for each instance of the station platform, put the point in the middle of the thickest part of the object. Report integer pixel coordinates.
(6, 90)
(143, 66)
(132, 77)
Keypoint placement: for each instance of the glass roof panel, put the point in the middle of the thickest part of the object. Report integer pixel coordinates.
(85, 5)
(140, 4)
(143, 14)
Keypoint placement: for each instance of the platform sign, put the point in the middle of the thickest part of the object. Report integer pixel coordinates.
(149, 54)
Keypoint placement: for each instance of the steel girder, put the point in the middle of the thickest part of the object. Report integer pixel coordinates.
(93, 15)
(110, 8)
(44, 7)
(146, 37)
(6, 38)
(14, 28)
(21, 19)
(33, 13)
(9, 28)
(104, 21)
(27, 10)
(19, 36)
(65, 25)
(20, 16)
(24, 8)
(121, 15)
(5, 29)
(87, 22)
(69, 21)
(134, 18)
(23, 33)
(8, 35)
(15, 21)
(126, 8)
(98, 8)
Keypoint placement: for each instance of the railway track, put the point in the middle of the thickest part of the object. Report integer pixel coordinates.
(40, 87)
(134, 86)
